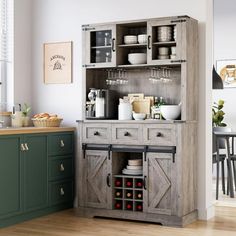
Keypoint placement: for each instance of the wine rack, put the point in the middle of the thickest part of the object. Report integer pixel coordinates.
(128, 193)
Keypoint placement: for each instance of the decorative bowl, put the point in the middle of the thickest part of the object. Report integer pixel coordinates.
(139, 116)
(137, 58)
(170, 112)
(142, 38)
(130, 39)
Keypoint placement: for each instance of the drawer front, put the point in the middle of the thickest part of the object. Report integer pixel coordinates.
(60, 144)
(127, 134)
(60, 192)
(61, 168)
(159, 135)
(96, 133)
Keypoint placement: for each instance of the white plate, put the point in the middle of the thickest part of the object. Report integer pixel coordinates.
(132, 172)
(137, 162)
(134, 167)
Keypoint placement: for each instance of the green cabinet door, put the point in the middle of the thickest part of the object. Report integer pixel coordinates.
(10, 176)
(35, 172)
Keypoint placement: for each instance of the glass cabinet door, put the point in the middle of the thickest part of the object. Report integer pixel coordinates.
(165, 41)
(100, 46)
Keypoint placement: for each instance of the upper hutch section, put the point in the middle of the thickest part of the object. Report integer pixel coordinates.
(163, 44)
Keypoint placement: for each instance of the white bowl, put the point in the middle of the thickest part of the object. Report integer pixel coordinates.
(172, 56)
(142, 38)
(163, 57)
(139, 116)
(170, 112)
(163, 50)
(137, 58)
(130, 39)
(173, 50)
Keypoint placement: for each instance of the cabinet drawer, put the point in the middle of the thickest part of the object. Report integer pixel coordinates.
(159, 135)
(61, 168)
(96, 133)
(60, 144)
(60, 192)
(127, 134)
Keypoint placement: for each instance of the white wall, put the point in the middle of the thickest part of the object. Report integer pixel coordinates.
(22, 51)
(55, 20)
(225, 48)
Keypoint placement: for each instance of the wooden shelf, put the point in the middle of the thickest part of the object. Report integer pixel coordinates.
(169, 43)
(128, 199)
(131, 66)
(136, 189)
(101, 47)
(137, 45)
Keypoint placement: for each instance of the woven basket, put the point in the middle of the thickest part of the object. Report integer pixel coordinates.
(47, 123)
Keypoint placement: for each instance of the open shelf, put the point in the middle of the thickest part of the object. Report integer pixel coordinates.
(137, 45)
(169, 43)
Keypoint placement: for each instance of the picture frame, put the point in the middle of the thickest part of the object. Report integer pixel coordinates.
(58, 63)
(227, 71)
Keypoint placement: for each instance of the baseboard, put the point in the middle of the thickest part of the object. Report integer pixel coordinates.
(206, 213)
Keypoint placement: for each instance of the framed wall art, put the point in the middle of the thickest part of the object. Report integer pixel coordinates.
(227, 71)
(58, 63)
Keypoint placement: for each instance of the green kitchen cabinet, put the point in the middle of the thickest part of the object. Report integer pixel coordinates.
(10, 176)
(36, 175)
(35, 172)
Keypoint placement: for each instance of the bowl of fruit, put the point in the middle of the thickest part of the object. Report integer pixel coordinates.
(46, 120)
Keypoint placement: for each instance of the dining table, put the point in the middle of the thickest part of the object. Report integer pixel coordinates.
(225, 136)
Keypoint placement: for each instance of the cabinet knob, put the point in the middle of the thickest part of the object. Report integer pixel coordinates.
(62, 192)
(26, 147)
(62, 144)
(96, 133)
(62, 168)
(22, 147)
(126, 134)
(159, 134)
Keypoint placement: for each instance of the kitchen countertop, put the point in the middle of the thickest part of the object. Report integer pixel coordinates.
(31, 130)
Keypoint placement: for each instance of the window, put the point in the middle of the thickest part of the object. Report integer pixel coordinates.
(6, 46)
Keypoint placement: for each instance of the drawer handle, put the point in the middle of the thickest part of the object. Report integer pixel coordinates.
(62, 144)
(159, 134)
(145, 182)
(96, 133)
(126, 134)
(62, 192)
(108, 180)
(62, 168)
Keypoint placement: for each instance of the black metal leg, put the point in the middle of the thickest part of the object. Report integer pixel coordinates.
(217, 168)
(227, 162)
(223, 175)
(231, 187)
(234, 170)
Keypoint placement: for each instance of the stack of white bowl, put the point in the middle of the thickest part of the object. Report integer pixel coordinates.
(134, 167)
(163, 53)
(164, 33)
(130, 39)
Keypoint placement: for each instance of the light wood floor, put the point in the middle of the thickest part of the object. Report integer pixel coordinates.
(67, 224)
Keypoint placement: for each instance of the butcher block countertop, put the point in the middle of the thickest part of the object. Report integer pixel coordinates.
(31, 130)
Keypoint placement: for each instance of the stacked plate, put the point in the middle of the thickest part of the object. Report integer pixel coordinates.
(163, 53)
(164, 33)
(134, 167)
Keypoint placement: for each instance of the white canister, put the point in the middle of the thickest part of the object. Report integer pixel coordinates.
(125, 111)
(99, 107)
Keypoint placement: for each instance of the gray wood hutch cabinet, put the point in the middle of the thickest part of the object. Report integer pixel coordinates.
(166, 191)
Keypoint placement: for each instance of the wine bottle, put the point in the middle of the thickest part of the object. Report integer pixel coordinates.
(118, 183)
(139, 184)
(139, 195)
(139, 207)
(129, 206)
(118, 194)
(129, 183)
(118, 205)
(129, 194)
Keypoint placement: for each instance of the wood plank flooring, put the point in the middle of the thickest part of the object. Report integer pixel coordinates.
(65, 223)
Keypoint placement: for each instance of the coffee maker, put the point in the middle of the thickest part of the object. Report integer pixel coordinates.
(103, 104)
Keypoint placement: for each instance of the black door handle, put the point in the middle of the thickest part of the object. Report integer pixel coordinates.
(145, 182)
(108, 180)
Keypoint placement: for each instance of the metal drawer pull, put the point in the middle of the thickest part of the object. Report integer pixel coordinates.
(96, 133)
(108, 180)
(26, 147)
(62, 168)
(22, 147)
(62, 192)
(145, 182)
(62, 144)
(159, 134)
(126, 134)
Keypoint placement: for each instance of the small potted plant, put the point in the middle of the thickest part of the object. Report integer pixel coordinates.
(25, 115)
